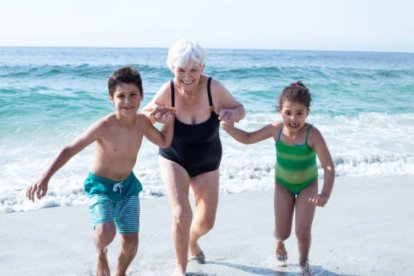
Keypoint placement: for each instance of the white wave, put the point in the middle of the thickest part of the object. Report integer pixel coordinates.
(371, 144)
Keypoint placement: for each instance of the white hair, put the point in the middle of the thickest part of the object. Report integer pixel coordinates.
(184, 51)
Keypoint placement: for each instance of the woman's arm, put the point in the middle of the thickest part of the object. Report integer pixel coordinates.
(226, 105)
(159, 105)
(161, 138)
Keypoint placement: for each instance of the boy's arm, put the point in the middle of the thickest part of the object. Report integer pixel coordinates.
(249, 137)
(39, 188)
(161, 138)
(321, 149)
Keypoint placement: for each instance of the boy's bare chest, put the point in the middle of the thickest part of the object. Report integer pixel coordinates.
(125, 142)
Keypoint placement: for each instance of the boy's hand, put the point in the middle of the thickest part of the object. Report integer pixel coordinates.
(319, 200)
(39, 189)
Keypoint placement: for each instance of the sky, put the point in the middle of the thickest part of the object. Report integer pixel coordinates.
(351, 25)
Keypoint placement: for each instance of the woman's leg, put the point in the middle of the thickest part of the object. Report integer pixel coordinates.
(206, 194)
(177, 183)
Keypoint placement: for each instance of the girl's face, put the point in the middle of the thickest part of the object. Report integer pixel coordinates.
(126, 99)
(294, 115)
(188, 76)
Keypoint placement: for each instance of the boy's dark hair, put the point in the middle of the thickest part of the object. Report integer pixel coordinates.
(125, 75)
(295, 92)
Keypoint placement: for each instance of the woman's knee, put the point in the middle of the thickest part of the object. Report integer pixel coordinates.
(182, 218)
(206, 224)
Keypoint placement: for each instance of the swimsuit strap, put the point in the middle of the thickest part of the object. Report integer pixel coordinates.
(307, 134)
(210, 99)
(172, 94)
(280, 132)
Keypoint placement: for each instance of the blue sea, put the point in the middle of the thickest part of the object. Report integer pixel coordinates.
(363, 103)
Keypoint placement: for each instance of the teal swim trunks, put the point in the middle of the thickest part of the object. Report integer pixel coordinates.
(114, 201)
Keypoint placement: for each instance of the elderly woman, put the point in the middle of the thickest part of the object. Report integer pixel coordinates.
(193, 159)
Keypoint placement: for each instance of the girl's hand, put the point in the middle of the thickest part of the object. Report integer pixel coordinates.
(319, 200)
(226, 125)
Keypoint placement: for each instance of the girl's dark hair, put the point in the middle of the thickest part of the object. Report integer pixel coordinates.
(295, 92)
(124, 75)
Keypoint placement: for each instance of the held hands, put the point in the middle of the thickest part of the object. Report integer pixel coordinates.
(162, 114)
(227, 118)
(228, 115)
(319, 199)
(38, 189)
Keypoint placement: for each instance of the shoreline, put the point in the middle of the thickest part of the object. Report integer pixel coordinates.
(365, 229)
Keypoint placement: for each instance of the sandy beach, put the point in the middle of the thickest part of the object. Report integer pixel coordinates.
(366, 229)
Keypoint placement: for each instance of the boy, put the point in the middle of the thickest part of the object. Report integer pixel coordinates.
(111, 185)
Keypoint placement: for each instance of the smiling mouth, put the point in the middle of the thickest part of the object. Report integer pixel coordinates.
(187, 82)
(293, 125)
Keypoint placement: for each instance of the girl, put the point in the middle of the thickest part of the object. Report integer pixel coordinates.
(296, 189)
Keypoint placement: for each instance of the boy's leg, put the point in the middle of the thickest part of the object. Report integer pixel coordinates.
(101, 210)
(206, 193)
(127, 214)
(129, 247)
(104, 235)
(305, 212)
(284, 203)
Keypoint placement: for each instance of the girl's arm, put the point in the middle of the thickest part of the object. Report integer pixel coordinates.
(317, 142)
(250, 137)
(161, 138)
(40, 188)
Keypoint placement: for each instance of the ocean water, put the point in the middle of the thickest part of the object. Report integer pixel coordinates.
(363, 103)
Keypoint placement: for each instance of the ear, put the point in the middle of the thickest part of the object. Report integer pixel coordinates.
(111, 98)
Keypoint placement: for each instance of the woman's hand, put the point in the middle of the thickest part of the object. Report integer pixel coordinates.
(161, 114)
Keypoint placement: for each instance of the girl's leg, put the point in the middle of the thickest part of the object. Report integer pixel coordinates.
(104, 235)
(305, 211)
(284, 202)
(177, 183)
(206, 193)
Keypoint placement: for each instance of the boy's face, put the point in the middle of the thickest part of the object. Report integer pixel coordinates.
(126, 98)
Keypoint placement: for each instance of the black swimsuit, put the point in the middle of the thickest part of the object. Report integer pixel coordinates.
(197, 148)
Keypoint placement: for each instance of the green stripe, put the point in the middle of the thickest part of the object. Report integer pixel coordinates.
(295, 177)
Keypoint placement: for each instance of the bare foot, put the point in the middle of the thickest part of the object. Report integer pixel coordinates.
(178, 272)
(197, 254)
(305, 269)
(102, 266)
(281, 254)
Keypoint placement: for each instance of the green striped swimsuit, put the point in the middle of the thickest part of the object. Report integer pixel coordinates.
(296, 164)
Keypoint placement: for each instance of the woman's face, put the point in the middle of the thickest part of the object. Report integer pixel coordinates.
(188, 76)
